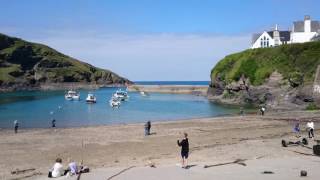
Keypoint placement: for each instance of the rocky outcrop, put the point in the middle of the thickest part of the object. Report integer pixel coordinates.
(276, 93)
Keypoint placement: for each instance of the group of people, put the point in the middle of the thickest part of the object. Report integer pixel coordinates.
(73, 169)
(309, 127)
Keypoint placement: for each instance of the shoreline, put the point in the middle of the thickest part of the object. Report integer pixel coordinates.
(119, 146)
(198, 90)
(57, 86)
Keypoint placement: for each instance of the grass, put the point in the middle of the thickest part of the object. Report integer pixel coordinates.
(257, 64)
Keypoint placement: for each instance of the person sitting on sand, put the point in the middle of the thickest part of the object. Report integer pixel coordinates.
(184, 144)
(73, 168)
(57, 169)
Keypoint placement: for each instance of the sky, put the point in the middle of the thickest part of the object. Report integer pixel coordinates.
(150, 40)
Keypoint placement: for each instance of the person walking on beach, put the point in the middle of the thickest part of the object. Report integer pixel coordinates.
(16, 126)
(296, 129)
(53, 123)
(184, 144)
(310, 128)
(262, 110)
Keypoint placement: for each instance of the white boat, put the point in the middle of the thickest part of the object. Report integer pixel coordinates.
(72, 95)
(142, 93)
(121, 95)
(114, 102)
(91, 98)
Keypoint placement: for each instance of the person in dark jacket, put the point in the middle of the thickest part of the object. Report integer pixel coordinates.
(149, 127)
(184, 144)
(16, 126)
(53, 123)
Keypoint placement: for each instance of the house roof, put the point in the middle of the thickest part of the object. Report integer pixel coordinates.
(315, 26)
(284, 36)
(298, 26)
(255, 37)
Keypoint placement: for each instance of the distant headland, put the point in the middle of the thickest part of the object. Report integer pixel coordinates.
(30, 66)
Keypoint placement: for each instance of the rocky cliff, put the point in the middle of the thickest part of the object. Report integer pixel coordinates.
(280, 77)
(26, 65)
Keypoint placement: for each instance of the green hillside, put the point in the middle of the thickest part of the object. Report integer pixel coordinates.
(27, 63)
(296, 62)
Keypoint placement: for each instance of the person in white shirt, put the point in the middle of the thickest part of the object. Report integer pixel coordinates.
(310, 128)
(57, 169)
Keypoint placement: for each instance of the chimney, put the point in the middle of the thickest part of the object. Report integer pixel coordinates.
(307, 23)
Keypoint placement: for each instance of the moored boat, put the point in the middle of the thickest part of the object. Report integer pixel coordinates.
(72, 95)
(114, 102)
(91, 98)
(121, 95)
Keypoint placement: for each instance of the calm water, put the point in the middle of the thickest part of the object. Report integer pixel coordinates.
(37, 108)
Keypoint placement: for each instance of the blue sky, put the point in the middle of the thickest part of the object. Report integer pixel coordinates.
(150, 39)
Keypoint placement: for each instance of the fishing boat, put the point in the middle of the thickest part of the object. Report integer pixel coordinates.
(114, 102)
(72, 95)
(91, 98)
(121, 95)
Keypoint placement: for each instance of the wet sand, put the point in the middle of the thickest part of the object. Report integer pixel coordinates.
(108, 149)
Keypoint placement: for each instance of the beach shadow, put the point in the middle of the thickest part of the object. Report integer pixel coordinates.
(153, 133)
(190, 166)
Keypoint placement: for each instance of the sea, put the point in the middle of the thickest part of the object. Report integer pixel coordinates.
(36, 109)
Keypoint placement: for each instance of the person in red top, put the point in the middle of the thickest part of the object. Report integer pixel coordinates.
(184, 144)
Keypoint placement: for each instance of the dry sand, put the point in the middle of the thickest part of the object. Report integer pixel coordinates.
(109, 149)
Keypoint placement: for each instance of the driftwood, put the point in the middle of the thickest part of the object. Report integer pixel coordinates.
(124, 170)
(238, 161)
(18, 171)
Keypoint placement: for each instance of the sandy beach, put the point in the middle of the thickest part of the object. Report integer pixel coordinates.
(108, 150)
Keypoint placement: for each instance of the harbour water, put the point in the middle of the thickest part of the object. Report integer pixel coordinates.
(36, 109)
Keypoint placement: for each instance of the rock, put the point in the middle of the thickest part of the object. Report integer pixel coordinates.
(303, 173)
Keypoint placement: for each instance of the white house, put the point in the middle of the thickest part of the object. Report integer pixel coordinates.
(270, 38)
(302, 31)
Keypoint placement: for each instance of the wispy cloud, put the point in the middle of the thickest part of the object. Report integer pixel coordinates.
(160, 56)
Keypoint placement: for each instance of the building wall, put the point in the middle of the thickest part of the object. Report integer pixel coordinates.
(301, 37)
(263, 36)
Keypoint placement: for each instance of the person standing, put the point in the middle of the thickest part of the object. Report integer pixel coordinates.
(53, 123)
(149, 127)
(262, 110)
(16, 126)
(310, 128)
(184, 144)
(146, 129)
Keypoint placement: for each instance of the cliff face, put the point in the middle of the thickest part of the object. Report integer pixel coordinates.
(280, 77)
(25, 65)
